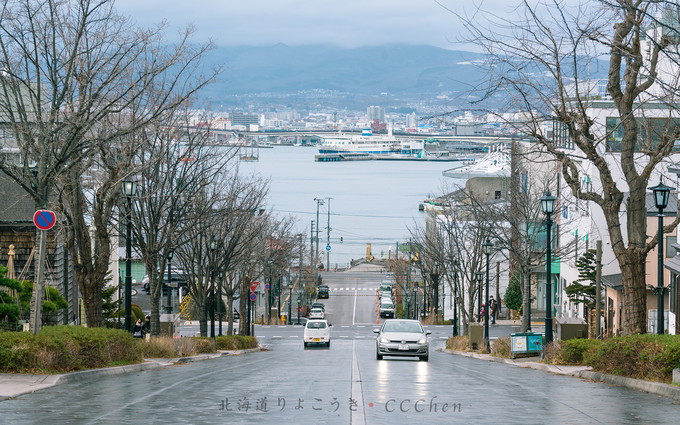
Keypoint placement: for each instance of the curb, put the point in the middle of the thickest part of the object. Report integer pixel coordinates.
(148, 364)
(664, 390)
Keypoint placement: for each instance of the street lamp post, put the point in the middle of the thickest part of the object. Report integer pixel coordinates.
(661, 193)
(548, 206)
(129, 190)
(211, 298)
(168, 308)
(487, 246)
(219, 302)
(479, 276)
(435, 281)
(290, 302)
(455, 302)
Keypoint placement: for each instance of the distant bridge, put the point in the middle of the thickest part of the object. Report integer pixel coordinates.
(399, 135)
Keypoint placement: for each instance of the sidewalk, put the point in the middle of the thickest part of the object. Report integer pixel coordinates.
(585, 372)
(15, 384)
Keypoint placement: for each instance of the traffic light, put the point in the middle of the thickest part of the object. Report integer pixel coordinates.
(340, 239)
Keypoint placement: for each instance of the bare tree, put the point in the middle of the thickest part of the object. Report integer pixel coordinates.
(178, 171)
(541, 63)
(70, 69)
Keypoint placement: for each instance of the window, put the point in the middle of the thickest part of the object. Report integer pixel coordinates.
(650, 132)
(670, 251)
(497, 195)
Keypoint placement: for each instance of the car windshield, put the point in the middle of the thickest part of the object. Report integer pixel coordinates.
(387, 305)
(316, 325)
(402, 327)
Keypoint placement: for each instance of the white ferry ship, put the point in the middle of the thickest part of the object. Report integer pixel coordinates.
(370, 144)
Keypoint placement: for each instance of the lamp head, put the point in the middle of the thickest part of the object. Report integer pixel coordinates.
(548, 203)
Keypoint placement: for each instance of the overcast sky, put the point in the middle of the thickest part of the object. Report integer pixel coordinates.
(345, 23)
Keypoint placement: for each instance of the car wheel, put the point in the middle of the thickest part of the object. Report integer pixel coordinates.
(305, 343)
(328, 344)
(424, 358)
(378, 356)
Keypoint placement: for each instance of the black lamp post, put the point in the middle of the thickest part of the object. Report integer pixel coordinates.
(219, 302)
(455, 302)
(168, 308)
(211, 298)
(661, 194)
(435, 282)
(290, 302)
(479, 276)
(487, 246)
(548, 205)
(129, 190)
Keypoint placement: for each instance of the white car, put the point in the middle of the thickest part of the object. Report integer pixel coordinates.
(316, 313)
(317, 332)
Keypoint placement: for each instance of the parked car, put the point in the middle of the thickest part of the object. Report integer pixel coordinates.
(402, 337)
(322, 306)
(386, 308)
(316, 313)
(317, 332)
(322, 291)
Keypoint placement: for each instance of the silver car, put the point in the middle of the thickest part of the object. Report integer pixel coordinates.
(402, 337)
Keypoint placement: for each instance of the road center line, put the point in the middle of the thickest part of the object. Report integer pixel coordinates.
(354, 313)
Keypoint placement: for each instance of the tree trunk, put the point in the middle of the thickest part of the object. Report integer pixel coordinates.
(634, 298)
(526, 301)
(92, 296)
(230, 313)
(203, 317)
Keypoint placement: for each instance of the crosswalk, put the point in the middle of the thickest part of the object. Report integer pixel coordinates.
(354, 289)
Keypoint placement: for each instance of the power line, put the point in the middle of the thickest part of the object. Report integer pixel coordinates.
(346, 215)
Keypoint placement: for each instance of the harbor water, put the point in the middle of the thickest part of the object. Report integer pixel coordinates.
(372, 202)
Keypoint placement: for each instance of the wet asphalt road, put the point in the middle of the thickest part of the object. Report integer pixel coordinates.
(342, 384)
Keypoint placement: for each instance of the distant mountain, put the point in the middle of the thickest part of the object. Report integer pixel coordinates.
(333, 76)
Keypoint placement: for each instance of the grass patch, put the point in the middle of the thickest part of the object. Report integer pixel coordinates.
(650, 357)
(572, 351)
(60, 349)
(501, 347)
(458, 343)
(236, 342)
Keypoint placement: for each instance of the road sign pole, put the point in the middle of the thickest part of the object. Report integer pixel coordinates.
(38, 292)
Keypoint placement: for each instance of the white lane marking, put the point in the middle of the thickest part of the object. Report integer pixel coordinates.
(277, 336)
(293, 336)
(354, 313)
(282, 326)
(344, 336)
(344, 326)
(361, 326)
(443, 337)
(360, 336)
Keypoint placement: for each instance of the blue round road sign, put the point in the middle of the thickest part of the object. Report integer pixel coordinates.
(44, 219)
(253, 296)
(328, 247)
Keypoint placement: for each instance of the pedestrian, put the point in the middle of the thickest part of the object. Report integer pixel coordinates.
(146, 331)
(138, 330)
(493, 305)
(481, 313)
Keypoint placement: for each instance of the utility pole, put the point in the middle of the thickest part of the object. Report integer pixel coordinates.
(328, 236)
(319, 201)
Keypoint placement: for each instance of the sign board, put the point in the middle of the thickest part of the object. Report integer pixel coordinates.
(253, 286)
(253, 296)
(266, 286)
(328, 247)
(44, 219)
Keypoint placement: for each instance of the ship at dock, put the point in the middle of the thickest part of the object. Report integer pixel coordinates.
(370, 145)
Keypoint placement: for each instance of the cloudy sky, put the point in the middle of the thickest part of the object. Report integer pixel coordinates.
(345, 23)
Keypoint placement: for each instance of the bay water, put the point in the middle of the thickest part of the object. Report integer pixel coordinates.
(372, 202)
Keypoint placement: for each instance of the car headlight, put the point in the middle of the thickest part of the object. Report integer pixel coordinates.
(422, 340)
(384, 340)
